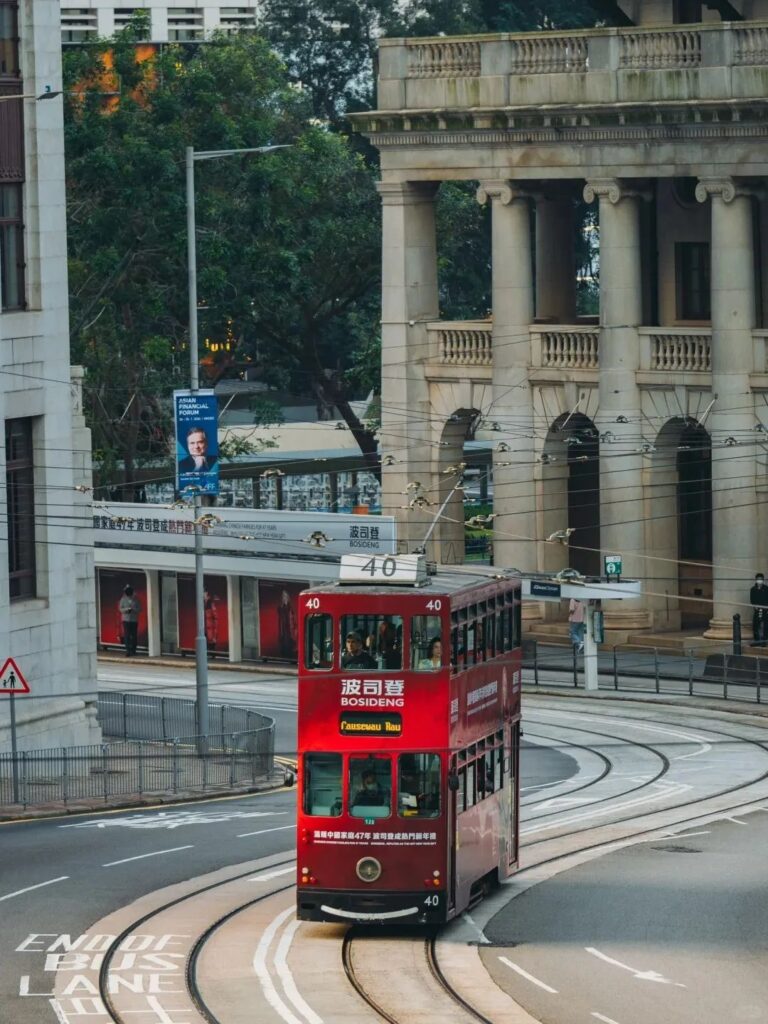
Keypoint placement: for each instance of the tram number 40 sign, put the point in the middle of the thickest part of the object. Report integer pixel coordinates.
(11, 679)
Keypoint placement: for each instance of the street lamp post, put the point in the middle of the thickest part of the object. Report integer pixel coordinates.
(201, 644)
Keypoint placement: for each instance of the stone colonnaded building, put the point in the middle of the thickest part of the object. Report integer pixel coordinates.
(47, 609)
(643, 429)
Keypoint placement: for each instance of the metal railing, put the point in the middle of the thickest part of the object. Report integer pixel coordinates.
(714, 674)
(154, 751)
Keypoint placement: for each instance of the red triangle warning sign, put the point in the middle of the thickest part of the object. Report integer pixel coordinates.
(11, 679)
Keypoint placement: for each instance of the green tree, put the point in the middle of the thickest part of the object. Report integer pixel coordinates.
(287, 244)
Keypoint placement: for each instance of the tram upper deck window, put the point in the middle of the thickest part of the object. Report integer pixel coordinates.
(318, 642)
(372, 641)
(370, 787)
(322, 784)
(418, 785)
(426, 643)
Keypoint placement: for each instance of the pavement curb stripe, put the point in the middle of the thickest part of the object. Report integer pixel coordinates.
(31, 888)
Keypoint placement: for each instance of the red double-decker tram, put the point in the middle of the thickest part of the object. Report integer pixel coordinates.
(408, 734)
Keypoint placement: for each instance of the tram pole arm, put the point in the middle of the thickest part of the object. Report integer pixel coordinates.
(590, 648)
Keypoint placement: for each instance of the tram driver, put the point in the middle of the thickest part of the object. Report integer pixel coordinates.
(372, 794)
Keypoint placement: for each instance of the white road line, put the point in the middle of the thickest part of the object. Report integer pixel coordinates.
(736, 821)
(272, 874)
(664, 791)
(40, 885)
(527, 976)
(481, 937)
(244, 835)
(639, 975)
(141, 856)
(285, 975)
(605, 1020)
(262, 971)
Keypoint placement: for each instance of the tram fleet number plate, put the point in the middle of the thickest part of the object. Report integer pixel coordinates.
(361, 723)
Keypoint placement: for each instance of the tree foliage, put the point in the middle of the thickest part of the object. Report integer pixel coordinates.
(287, 244)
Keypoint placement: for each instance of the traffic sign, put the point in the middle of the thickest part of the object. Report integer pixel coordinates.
(612, 565)
(11, 679)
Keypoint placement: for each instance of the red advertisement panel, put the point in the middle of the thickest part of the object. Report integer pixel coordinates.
(278, 619)
(112, 583)
(216, 619)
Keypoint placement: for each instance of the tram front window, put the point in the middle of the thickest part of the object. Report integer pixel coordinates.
(372, 641)
(370, 787)
(418, 785)
(426, 643)
(322, 784)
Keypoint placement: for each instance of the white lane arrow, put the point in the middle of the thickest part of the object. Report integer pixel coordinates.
(639, 975)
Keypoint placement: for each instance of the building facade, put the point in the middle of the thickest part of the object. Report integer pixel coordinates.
(642, 431)
(47, 607)
(86, 20)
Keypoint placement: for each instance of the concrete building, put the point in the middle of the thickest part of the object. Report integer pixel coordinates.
(47, 610)
(644, 431)
(85, 20)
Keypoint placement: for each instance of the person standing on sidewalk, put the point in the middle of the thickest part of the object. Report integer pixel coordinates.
(576, 623)
(129, 607)
(758, 598)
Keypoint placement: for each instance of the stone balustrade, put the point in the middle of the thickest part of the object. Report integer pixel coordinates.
(565, 347)
(681, 349)
(461, 343)
(588, 67)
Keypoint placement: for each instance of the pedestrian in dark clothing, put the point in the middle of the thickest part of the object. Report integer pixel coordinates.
(758, 598)
(129, 608)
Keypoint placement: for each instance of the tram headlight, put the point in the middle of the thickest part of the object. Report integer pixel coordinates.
(368, 869)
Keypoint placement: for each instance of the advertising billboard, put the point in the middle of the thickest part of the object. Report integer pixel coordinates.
(215, 610)
(197, 442)
(112, 584)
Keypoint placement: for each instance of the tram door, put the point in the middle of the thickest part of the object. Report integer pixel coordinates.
(452, 830)
(514, 767)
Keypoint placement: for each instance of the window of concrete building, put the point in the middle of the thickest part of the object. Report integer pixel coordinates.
(692, 280)
(236, 19)
(185, 24)
(20, 497)
(9, 38)
(78, 25)
(12, 289)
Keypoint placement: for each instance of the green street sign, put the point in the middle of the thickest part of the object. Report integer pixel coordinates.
(612, 565)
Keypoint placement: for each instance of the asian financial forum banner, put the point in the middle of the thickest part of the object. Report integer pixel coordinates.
(197, 442)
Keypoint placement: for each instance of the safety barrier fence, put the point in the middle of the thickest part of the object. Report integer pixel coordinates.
(712, 673)
(151, 750)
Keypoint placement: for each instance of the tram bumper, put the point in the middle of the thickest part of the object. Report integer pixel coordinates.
(357, 907)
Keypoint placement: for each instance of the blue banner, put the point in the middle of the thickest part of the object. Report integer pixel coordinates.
(197, 442)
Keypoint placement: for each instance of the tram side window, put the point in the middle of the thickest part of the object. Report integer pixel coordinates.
(517, 627)
(418, 785)
(372, 641)
(426, 643)
(322, 784)
(370, 787)
(318, 642)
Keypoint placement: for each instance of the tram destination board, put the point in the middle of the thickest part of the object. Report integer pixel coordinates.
(366, 723)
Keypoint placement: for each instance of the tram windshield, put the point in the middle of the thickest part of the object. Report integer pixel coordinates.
(370, 787)
(418, 785)
(322, 784)
(372, 641)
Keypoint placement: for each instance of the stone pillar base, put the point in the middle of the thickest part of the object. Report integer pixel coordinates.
(722, 629)
(627, 620)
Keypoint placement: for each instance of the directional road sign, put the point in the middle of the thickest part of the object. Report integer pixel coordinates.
(11, 679)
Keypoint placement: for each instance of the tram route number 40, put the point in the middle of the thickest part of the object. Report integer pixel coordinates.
(433, 900)
(359, 568)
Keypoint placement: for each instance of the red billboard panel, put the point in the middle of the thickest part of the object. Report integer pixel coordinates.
(112, 583)
(278, 619)
(216, 617)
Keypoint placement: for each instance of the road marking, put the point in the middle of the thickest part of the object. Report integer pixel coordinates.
(285, 975)
(481, 938)
(605, 1020)
(262, 971)
(272, 874)
(40, 885)
(673, 835)
(174, 819)
(141, 856)
(529, 977)
(244, 835)
(639, 975)
(736, 821)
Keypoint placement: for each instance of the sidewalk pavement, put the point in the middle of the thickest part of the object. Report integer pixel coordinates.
(178, 661)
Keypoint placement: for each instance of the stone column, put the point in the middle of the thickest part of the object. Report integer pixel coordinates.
(234, 620)
(154, 647)
(514, 540)
(734, 498)
(621, 463)
(409, 303)
(555, 260)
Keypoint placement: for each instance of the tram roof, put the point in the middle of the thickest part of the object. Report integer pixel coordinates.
(447, 579)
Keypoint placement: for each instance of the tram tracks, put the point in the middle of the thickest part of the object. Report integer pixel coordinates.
(386, 970)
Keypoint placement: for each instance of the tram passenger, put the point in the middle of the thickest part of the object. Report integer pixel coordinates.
(372, 793)
(434, 656)
(354, 656)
